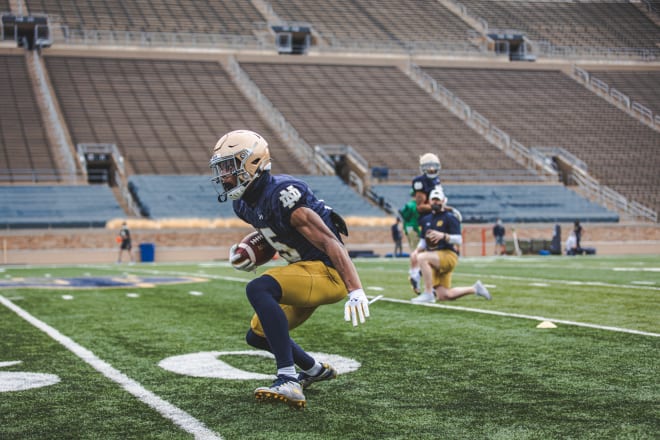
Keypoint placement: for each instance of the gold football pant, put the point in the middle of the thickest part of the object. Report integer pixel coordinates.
(305, 286)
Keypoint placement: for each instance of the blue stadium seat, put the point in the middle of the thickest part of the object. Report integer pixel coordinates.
(58, 206)
(511, 203)
(195, 197)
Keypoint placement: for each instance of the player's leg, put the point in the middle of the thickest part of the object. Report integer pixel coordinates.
(264, 293)
(300, 288)
(429, 263)
(414, 273)
(300, 356)
(442, 281)
(309, 284)
(444, 294)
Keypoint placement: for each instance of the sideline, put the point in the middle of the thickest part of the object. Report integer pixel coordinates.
(181, 418)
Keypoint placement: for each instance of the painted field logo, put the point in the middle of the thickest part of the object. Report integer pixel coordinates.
(209, 364)
(91, 282)
(21, 380)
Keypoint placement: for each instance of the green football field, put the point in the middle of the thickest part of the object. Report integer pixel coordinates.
(157, 351)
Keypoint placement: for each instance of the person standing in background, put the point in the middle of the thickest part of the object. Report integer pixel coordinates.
(125, 244)
(410, 218)
(396, 237)
(577, 230)
(498, 232)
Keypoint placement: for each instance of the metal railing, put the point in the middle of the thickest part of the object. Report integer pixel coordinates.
(500, 176)
(611, 198)
(480, 123)
(549, 50)
(162, 39)
(266, 108)
(64, 148)
(560, 152)
(120, 178)
(344, 150)
(616, 98)
(408, 48)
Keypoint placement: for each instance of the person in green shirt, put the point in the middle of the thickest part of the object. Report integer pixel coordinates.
(410, 217)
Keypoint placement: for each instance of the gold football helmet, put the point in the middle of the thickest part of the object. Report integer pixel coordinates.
(429, 164)
(240, 153)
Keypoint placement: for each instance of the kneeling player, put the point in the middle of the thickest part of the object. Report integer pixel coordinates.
(441, 231)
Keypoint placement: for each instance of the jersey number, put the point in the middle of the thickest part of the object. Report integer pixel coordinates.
(289, 254)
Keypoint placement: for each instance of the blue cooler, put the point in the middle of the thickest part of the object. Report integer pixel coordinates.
(147, 252)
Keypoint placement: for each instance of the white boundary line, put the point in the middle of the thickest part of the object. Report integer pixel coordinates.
(567, 282)
(181, 418)
(535, 318)
(484, 311)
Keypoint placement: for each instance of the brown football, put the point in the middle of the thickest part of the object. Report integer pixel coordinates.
(255, 248)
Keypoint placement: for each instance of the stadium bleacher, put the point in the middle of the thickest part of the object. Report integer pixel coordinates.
(25, 151)
(163, 115)
(613, 144)
(211, 17)
(605, 24)
(511, 203)
(165, 197)
(165, 109)
(376, 109)
(57, 206)
(642, 86)
(378, 22)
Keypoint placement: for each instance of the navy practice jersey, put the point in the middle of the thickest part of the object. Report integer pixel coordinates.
(271, 212)
(424, 183)
(444, 221)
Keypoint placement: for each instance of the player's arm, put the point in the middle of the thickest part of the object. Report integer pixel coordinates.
(423, 204)
(451, 233)
(312, 227)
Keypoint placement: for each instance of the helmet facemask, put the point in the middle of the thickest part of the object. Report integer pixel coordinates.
(429, 164)
(231, 166)
(239, 158)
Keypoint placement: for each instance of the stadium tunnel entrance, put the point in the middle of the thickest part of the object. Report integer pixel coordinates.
(102, 163)
(512, 43)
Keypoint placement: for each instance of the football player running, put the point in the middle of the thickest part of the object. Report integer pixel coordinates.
(441, 231)
(306, 233)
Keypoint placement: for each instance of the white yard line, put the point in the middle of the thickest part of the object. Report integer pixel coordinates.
(567, 282)
(488, 312)
(535, 318)
(181, 418)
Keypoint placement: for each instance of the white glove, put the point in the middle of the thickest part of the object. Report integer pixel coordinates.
(246, 265)
(356, 307)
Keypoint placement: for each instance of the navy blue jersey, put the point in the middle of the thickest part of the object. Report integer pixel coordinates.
(444, 221)
(425, 184)
(271, 210)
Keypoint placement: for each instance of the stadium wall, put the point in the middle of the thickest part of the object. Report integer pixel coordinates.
(94, 246)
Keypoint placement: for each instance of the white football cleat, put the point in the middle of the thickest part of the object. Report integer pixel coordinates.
(285, 389)
(480, 290)
(425, 297)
